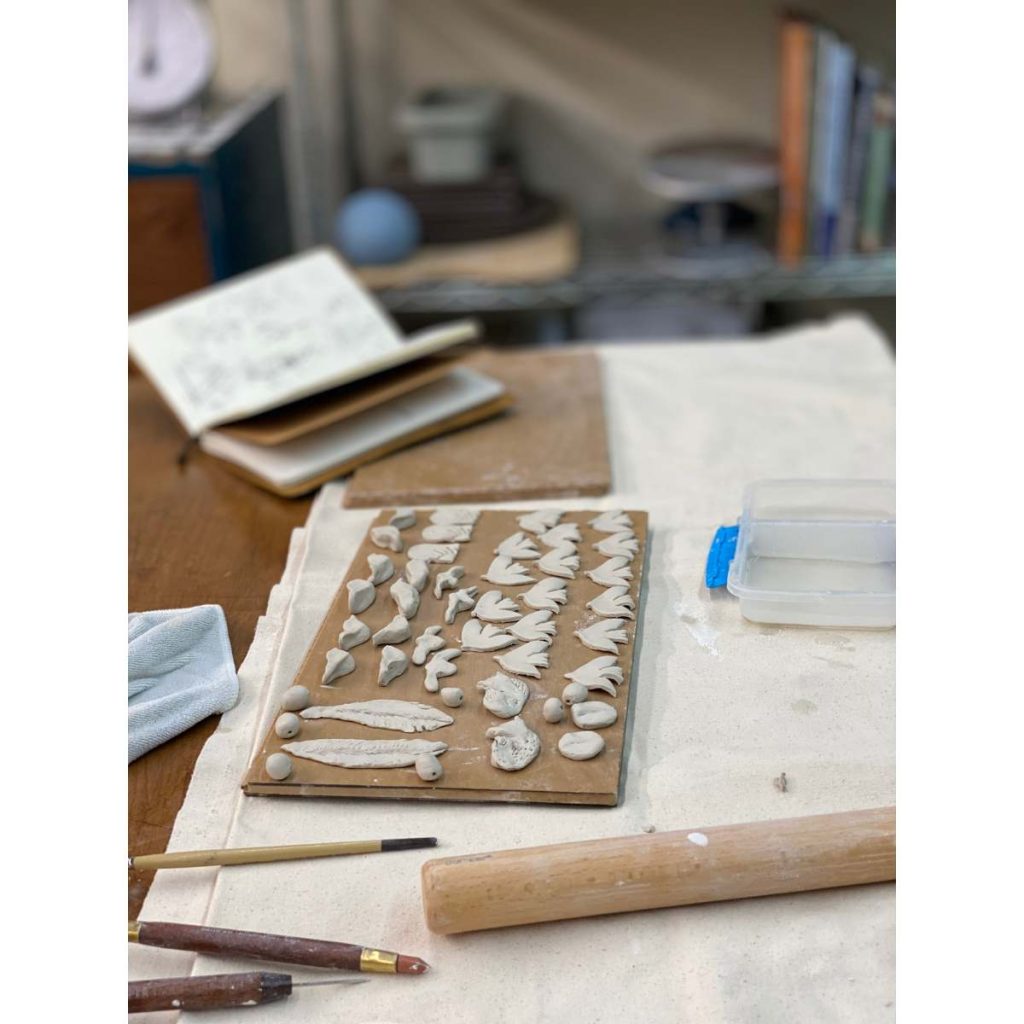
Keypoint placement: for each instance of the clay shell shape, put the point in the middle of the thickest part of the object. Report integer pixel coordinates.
(403, 518)
(503, 696)
(393, 663)
(381, 568)
(406, 598)
(353, 633)
(339, 663)
(580, 746)
(395, 632)
(361, 594)
(387, 537)
(593, 714)
(515, 745)
(417, 573)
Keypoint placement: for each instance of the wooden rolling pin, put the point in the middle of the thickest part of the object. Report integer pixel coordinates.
(670, 869)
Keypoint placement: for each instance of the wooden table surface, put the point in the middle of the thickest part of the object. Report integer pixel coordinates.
(196, 535)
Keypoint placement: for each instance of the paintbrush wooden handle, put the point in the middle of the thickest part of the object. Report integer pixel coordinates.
(669, 869)
(210, 992)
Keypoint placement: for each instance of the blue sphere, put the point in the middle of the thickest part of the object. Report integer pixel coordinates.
(376, 225)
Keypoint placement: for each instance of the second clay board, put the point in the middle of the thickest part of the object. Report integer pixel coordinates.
(468, 773)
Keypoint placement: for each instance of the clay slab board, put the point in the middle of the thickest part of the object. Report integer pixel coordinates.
(468, 773)
(557, 410)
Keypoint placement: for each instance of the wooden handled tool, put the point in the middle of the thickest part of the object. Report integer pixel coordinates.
(670, 869)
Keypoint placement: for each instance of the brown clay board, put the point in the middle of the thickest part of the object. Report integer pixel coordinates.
(468, 773)
(550, 444)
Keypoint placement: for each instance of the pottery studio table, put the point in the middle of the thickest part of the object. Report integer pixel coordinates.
(723, 706)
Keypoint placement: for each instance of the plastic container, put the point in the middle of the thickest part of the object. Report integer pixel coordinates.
(817, 553)
(451, 133)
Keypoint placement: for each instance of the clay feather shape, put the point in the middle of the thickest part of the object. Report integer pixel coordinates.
(401, 715)
(448, 580)
(546, 595)
(339, 663)
(515, 745)
(535, 626)
(526, 660)
(353, 633)
(365, 753)
(406, 598)
(541, 520)
(444, 554)
(603, 635)
(460, 601)
(624, 544)
(447, 533)
(518, 546)
(561, 534)
(503, 695)
(427, 642)
(387, 537)
(612, 573)
(599, 674)
(504, 571)
(494, 607)
(614, 602)
(614, 521)
(482, 636)
(381, 568)
(454, 516)
(439, 667)
(561, 561)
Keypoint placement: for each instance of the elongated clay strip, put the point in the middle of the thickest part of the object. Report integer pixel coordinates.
(439, 667)
(612, 573)
(339, 663)
(515, 745)
(448, 580)
(622, 544)
(564, 533)
(381, 568)
(612, 603)
(535, 626)
(417, 574)
(460, 601)
(454, 516)
(406, 598)
(614, 521)
(540, 520)
(593, 714)
(395, 632)
(361, 594)
(403, 518)
(561, 561)
(603, 635)
(447, 534)
(504, 571)
(482, 636)
(598, 674)
(387, 537)
(580, 746)
(518, 546)
(401, 715)
(427, 642)
(527, 659)
(443, 553)
(503, 695)
(393, 663)
(365, 753)
(494, 607)
(547, 594)
(353, 633)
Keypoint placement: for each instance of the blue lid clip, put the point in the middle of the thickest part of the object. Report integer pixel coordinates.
(720, 556)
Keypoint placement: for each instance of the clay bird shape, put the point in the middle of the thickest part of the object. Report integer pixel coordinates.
(526, 660)
(518, 546)
(599, 674)
(546, 595)
(535, 626)
(612, 573)
(493, 607)
(561, 561)
(480, 636)
(505, 572)
(624, 544)
(540, 520)
(611, 522)
(612, 603)
(603, 635)
(564, 532)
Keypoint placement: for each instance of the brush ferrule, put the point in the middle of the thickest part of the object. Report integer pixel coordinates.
(378, 961)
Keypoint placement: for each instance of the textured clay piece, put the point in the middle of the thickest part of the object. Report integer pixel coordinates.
(574, 693)
(440, 666)
(447, 534)
(541, 520)
(612, 603)
(493, 607)
(603, 635)
(387, 537)
(395, 632)
(561, 561)
(564, 533)
(361, 594)
(454, 516)
(406, 598)
(444, 554)
(365, 753)
(518, 546)
(417, 574)
(553, 710)
(402, 715)
(295, 698)
(393, 663)
(279, 766)
(483, 636)
(403, 518)
(452, 697)
(339, 663)
(427, 642)
(514, 746)
(599, 674)
(448, 580)
(580, 746)
(547, 595)
(527, 659)
(503, 696)
(287, 725)
(535, 626)
(381, 568)
(612, 573)
(460, 601)
(593, 714)
(622, 544)
(353, 633)
(612, 522)
(504, 571)
(428, 768)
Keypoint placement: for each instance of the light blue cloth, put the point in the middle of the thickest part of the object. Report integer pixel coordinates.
(180, 670)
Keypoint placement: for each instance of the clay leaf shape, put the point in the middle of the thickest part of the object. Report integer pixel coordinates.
(365, 753)
(448, 580)
(561, 561)
(614, 521)
(454, 516)
(460, 601)
(353, 633)
(547, 595)
(515, 745)
(401, 715)
(361, 594)
(614, 602)
(447, 533)
(599, 674)
(612, 573)
(603, 635)
(518, 546)
(387, 537)
(406, 598)
(427, 642)
(561, 534)
(624, 544)
(440, 666)
(393, 663)
(494, 607)
(503, 695)
(417, 573)
(526, 660)
(541, 520)
(504, 571)
(381, 568)
(444, 554)
(395, 632)
(339, 663)
(403, 518)
(482, 636)
(535, 626)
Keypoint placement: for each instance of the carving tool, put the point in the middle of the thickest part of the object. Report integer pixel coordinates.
(286, 949)
(268, 854)
(669, 869)
(218, 991)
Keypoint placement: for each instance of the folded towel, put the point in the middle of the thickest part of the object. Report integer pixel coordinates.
(180, 670)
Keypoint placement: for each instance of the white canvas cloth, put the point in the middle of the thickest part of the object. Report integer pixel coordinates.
(722, 707)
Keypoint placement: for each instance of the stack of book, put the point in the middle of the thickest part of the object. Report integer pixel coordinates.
(837, 147)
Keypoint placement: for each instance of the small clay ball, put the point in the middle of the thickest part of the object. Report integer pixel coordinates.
(554, 710)
(287, 725)
(575, 693)
(279, 766)
(295, 698)
(428, 768)
(452, 697)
